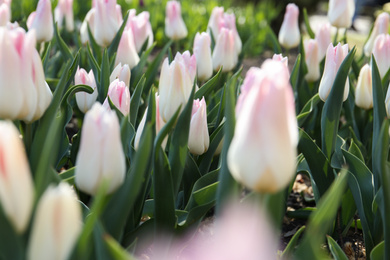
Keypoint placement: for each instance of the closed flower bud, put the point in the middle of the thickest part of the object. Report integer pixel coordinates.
(42, 21)
(16, 186)
(363, 92)
(64, 10)
(119, 94)
(25, 94)
(5, 14)
(202, 52)
(225, 54)
(100, 158)
(198, 139)
(289, 35)
(312, 60)
(85, 100)
(122, 73)
(381, 52)
(381, 26)
(340, 13)
(159, 125)
(176, 82)
(141, 27)
(127, 53)
(334, 57)
(323, 39)
(262, 154)
(57, 224)
(175, 27)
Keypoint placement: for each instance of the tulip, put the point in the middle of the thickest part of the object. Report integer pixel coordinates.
(262, 153)
(333, 60)
(89, 20)
(279, 57)
(64, 10)
(340, 13)
(159, 125)
(100, 158)
(225, 54)
(42, 21)
(381, 26)
(387, 102)
(202, 51)
(5, 14)
(122, 73)
(25, 94)
(119, 95)
(175, 27)
(57, 224)
(176, 82)
(289, 35)
(85, 100)
(127, 53)
(323, 39)
(141, 28)
(218, 20)
(199, 140)
(312, 60)
(363, 92)
(16, 185)
(381, 52)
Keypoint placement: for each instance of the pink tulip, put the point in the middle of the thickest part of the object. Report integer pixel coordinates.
(323, 39)
(202, 52)
(262, 154)
(89, 20)
(175, 27)
(381, 26)
(381, 52)
(225, 53)
(340, 13)
(5, 14)
(363, 92)
(100, 157)
(127, 52)
(199, 140)
(122, 73)
(312, 60)
(85, 100)
(176, 82)
(42, 21)
(334, 57)
(119, 94)
(289, 35)
(57, 224)
(25, 94)
(64, 10)
(16, 185)
(279, 57)
(141, 28)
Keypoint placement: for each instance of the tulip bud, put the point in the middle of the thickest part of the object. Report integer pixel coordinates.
(387, 102)
(16, 186)
(225, 53)
(57, 224)
(119, 94)
(289, 35)
(381, 26)
(262, 153)
(122, 73)
(363, 92)
(202, 51)
(5, 14)
(127, 53)
(198, 139)
(312, 61)
(85, 100)
(381, 52)
(159, 125)
(323, 39)
(279, 57)
(88, 20)
(42, 21)
(333, 60)
(175, 27)
(176, 82)
(340, 13)
(64, 10)
(100, 157)
(141, 27)
(25, 94)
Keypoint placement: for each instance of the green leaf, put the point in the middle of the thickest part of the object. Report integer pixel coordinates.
(335, 249)
(117, 252)
(273, 40)
(209, 85)
(288, 251)
(137, 71)
(11, 244)
(112, 49)
(104, 77)
(68, 176)
(202, 189)
(307, 109)
(94, 64)
(94, 46)
(331, 112)
(66, 53)
(307, 24)
(378, 253)
(190, 175)
(215, 140)
(135, 100)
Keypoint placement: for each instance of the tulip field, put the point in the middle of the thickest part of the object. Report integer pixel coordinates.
(137, 130)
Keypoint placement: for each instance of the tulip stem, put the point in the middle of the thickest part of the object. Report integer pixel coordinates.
(335, 37)
(27, 136)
